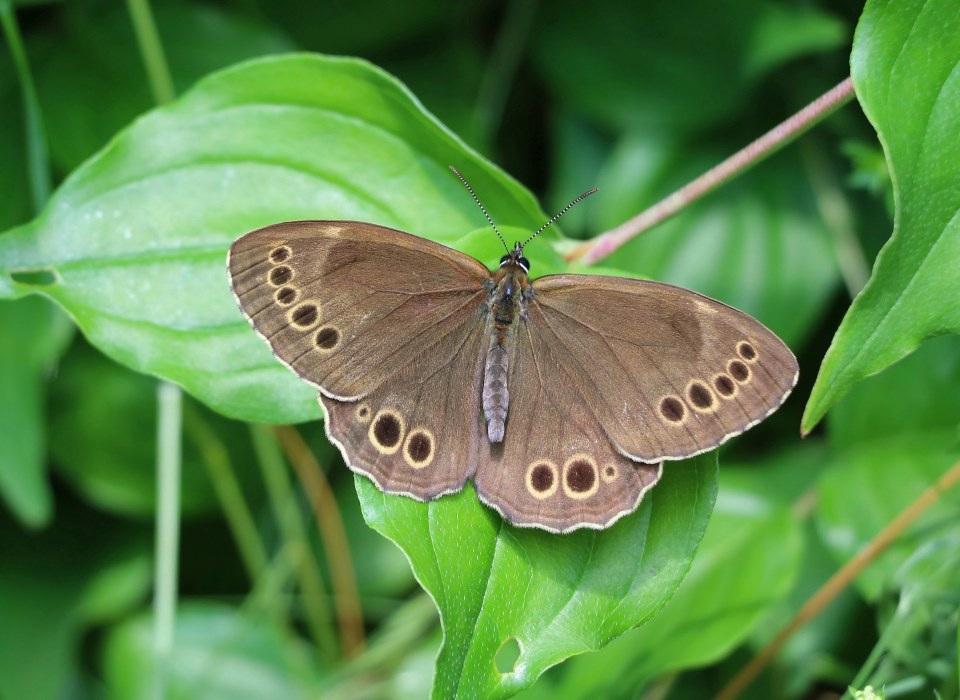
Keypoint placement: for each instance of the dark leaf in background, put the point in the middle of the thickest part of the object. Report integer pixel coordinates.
(35, 332)
(84, 569)
(219, 652)
(99, 90)
(113, 468)
(741, 246)
(672, 67)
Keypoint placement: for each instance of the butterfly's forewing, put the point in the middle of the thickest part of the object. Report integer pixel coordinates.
(668, 373)
(389, 327)
(556, 468)
(347, 305)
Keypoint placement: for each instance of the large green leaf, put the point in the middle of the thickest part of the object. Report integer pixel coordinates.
(911, 94)
(136, 239)
(747, 561)
(555, 596)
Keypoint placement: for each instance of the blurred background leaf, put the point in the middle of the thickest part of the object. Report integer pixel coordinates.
(37, 332)
(89, 73)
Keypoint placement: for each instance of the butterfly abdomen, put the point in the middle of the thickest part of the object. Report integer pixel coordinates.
(496, 397)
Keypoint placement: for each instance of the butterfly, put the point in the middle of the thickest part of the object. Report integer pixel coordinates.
(561, 397)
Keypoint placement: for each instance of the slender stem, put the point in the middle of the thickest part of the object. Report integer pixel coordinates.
(840, 581)
(169, 405)
(294, 534)
(835, 211)
(603, 245)
(151, 49)
(220, 470)
(38, 157)
(504, 59)
(330, 524)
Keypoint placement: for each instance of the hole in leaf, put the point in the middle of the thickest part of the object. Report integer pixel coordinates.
(36, 278)
(507, 656)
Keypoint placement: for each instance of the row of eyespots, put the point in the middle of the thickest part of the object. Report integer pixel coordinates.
(303, 316)
(386, 434)
(699, 394)
(581, 477)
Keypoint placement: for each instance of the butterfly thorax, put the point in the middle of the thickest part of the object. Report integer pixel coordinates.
(509, 290)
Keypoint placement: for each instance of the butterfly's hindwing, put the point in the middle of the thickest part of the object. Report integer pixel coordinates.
(556, 469)
(420, 434)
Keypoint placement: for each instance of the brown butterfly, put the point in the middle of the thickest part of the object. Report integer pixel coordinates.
(561, 398)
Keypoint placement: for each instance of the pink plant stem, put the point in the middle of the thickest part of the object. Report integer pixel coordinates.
(603, 245)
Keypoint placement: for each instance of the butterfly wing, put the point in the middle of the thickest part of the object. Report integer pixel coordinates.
(388, 327)
(347, 305)
(419, 434)
(668, 373)
(611, 376)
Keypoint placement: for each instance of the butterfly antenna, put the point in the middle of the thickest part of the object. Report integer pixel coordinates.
(562, 212)
(482, 208)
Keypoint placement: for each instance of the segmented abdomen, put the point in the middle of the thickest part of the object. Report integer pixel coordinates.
(496, 397)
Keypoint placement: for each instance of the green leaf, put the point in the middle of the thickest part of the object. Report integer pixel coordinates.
(911, 94)
(34, 333)
(894, 434)
(919, 640)
(746, 563)
(555, 595)
(918, 394)
(137, 237)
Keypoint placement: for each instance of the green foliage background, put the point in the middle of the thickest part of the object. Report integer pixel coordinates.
(114, 277)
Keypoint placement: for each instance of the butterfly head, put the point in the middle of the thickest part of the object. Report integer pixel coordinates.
(515, 258)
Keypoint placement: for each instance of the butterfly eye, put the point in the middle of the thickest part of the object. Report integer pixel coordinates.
(504, 260)
(524, 263)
